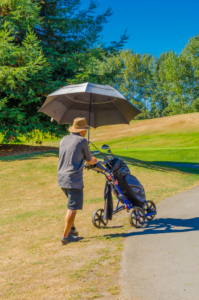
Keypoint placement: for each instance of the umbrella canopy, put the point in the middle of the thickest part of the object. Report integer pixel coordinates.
(99, 104)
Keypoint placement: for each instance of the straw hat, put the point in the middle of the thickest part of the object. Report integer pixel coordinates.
(79, 124)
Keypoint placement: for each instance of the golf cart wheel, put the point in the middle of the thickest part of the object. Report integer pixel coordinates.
(149, 208)
(136, 217)
(98, 218)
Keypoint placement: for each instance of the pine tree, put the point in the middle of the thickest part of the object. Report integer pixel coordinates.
(72, 36)
(22, 65)
(45, 44)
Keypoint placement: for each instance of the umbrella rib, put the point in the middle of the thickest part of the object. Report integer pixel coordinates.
(104, 102)
(68, 97)
(80, 94)
(107, 88)
(80, 101)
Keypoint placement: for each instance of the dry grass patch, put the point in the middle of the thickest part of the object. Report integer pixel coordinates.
(178, 123)
(33, 263)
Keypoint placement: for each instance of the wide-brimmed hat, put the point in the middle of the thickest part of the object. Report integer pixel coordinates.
(79, 124)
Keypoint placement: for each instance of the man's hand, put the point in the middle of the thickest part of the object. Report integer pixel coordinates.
(93, 161)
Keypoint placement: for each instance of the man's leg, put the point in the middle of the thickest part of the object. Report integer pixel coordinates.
(69, 221)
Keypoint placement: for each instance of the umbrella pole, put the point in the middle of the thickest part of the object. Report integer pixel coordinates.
(89, 120)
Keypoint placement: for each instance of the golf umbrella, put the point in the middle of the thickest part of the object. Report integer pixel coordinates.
(99, 104)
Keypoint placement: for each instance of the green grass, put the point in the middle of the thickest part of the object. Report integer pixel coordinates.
(167, 140)
(177, 155)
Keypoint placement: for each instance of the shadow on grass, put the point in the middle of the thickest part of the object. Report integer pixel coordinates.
(159, 226)
(34, 155)
(162, 166)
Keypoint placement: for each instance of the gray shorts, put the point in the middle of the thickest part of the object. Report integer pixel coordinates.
(75, 198)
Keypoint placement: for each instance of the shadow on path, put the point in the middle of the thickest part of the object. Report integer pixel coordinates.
(162, 225)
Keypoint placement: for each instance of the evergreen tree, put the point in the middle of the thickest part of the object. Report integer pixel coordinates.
(25, 75)
(48, 43)
(22, 66)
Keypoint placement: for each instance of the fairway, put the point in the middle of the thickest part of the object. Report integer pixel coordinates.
(175, 131)
(33, 263)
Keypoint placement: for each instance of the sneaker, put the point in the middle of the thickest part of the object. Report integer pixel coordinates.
(73, 231)
(69, 239)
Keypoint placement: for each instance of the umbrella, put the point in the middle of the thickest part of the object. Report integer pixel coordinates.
(99, 104)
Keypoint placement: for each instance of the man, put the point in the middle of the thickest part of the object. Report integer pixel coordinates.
(73, 150)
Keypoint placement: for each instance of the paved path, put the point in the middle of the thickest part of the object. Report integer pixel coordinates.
(161, 261)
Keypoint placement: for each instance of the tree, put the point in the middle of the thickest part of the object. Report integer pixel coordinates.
(159, 98)
(133, 78)
(24, 73)
(191, 54)
(47, 43)
(178, 84)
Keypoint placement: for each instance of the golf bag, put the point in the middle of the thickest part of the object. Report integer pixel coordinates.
(129, 184)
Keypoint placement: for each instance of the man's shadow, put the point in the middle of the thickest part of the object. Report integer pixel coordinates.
(162, 225)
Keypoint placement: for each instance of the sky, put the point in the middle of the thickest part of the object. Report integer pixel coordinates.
(154, 26)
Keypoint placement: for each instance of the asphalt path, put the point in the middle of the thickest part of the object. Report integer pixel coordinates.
(161, 260)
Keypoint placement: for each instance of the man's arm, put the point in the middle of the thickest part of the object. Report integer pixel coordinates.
(91, 160)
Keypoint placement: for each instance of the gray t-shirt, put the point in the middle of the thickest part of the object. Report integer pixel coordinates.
(73, 150)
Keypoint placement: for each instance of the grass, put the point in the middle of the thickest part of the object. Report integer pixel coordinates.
(187, 155)
(33, 263)
(168, 132)
(158, 140)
